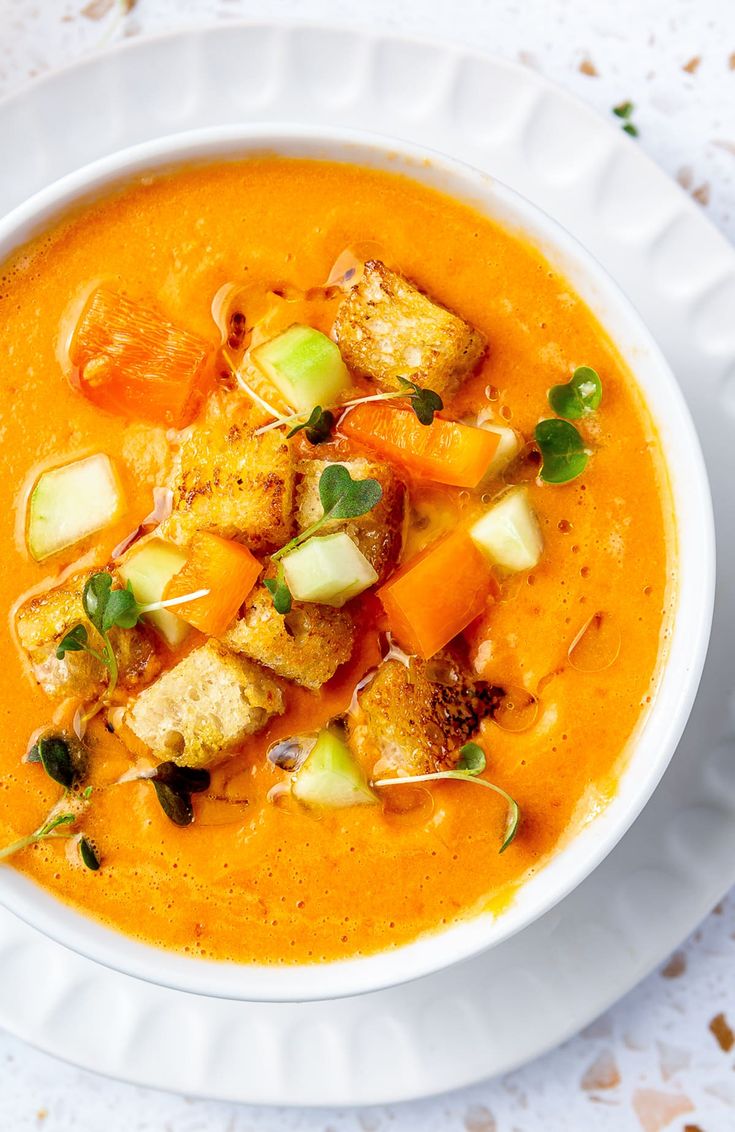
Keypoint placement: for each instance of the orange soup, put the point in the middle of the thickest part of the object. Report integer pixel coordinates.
(335, 558)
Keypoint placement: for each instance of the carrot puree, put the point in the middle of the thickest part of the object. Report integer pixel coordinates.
(250, 880)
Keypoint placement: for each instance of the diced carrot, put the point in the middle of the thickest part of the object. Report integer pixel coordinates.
(445, 451)
(131, 361)
(224, 567)
(436, 595)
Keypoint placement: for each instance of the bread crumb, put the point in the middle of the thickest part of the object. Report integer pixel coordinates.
(723, 1035)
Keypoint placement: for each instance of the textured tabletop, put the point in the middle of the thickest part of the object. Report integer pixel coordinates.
(664, 1057)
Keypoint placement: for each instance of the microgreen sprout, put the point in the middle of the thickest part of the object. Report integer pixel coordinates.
(470, 765)
(341, 498)
(48, 829)
(624, 111)
(107, 608)
(579, 396)
(424, 402)
(562, 448)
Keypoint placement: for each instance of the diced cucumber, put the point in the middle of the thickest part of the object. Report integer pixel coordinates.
(509, 445)
(328, 570)
(149, 569)
(509, 532)
(330, 776)
(305, 366)
(70, 503)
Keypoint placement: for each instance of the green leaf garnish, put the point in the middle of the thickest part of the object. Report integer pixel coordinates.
(341, 498)
(54, 755)
(279, 591)
(623, 109)
(48, 829)
(471, 759)
(95, 596)
(562, 449)
(577, 397)
(122, 610)
(88, 855)
(109, 609)
(174, 786)
(470, 765)
(318, 427)
(629, 128)
(425, 402)
(74, 641)
(345, 498)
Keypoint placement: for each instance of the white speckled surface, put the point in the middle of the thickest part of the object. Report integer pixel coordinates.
(652, 1063)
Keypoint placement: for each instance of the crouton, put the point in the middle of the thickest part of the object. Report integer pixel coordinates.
(42, 621)
(413, 720)
(307, 645)
(386, 328)
(231, 482)
(202, 709)
(379, 534)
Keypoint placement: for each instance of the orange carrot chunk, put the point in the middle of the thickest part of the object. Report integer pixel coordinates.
(130, 360)
(445, 451)
(224, 567)
(436, 595)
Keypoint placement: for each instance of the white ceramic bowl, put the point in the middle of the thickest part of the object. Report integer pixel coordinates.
(656, 738)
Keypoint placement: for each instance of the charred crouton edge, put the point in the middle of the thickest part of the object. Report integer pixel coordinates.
(307, 645)
(386, 328)
(379, 534)
(43, 620)
(413, 720)
(229, 481)
(203, 708)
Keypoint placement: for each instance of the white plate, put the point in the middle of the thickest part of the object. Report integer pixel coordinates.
(505, 1007)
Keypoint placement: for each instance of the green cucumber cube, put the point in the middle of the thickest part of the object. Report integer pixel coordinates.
(149, 569)
(69, 503)
(328, 570)
(305, 366)
(509, 532)
(331, 777)
(509, 446)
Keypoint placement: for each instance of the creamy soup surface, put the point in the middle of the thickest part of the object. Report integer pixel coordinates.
(548, 679)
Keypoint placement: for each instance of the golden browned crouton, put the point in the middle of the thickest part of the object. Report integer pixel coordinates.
(413, 719)
(379, 533)
(386, 328)
(42, 621)
(307, 645)
(203, 708)
(231, 482)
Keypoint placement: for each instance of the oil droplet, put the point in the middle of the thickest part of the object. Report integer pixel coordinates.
(517, 710)
(506, 413)
(564, 526)
(596, 645)
(491, 392)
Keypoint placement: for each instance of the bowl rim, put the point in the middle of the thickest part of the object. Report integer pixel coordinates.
(693, 559)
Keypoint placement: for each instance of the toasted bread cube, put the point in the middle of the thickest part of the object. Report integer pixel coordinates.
(413, 719)
(231, 482)
(41, 623)
(378, 534)
(307, 645)
(386, 328)
(202, 709)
